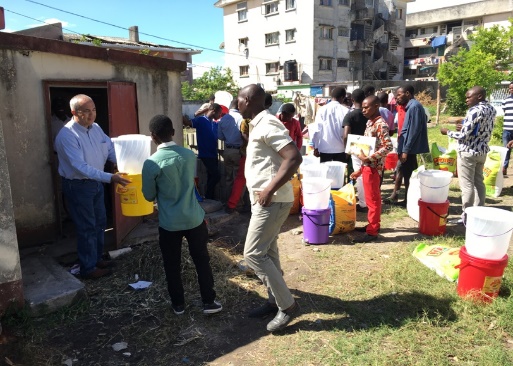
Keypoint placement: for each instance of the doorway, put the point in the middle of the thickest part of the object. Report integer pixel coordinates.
(116, 106)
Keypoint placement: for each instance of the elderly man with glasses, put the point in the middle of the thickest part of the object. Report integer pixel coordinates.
(83, 149)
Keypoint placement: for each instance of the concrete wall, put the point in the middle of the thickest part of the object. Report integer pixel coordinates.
(255, 28)
(22, 114)
(11, 287)
(476, 10)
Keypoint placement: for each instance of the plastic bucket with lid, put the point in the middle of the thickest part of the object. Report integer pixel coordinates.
(434, 185)
(336, 172)
(433, 217)
(480, 279)
(131, 152)
(316, 226)
(316, 193)
(488, 232)
(132, 200)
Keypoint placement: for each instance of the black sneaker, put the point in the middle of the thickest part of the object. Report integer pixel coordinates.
(212, 308)
(178, 309)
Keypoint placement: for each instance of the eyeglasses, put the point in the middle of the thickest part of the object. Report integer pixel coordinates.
(86, 111)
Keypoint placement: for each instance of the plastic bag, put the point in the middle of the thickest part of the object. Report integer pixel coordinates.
(439, 258)
(343, 210)
(444, 159)
(492, 171)
(296, 188)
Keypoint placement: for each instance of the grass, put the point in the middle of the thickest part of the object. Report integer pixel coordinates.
(366, 304)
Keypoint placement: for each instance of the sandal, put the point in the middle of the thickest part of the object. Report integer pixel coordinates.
(390, 200)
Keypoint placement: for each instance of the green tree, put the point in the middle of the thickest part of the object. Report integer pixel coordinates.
(216, 79)
(482, 65)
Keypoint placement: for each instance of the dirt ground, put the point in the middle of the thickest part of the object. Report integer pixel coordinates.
(155, 336)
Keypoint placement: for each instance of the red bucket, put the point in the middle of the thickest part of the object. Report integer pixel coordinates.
(433, 217)
(480, 279)
(391, 161)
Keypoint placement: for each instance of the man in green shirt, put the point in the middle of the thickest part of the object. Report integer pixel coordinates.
(168, 177)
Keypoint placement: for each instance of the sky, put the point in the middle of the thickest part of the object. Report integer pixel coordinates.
(195, 24)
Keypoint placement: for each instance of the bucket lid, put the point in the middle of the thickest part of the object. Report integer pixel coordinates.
(316, 212)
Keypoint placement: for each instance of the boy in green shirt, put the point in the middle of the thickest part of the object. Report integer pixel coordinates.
(168, 177)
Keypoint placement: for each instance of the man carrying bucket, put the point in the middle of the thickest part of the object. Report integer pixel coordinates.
(83, 149)
(372, 167)
(473, 136)
(272, 159)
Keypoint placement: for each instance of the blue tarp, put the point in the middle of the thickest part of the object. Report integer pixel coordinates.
(438, 41)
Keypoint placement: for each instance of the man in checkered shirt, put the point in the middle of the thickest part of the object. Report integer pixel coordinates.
(473, 136)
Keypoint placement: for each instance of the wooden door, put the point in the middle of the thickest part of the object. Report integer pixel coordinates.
(123, 120)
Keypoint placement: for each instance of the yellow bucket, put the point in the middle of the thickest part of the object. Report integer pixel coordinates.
(132, 199)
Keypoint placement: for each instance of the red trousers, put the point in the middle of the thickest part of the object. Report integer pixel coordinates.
(371, 187)
(238, 185)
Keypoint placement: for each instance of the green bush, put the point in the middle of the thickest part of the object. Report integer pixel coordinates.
(497, 132)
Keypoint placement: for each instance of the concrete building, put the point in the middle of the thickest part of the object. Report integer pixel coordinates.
(432, 35)
(312, 46)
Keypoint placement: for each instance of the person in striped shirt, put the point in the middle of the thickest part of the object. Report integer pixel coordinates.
(507, 128)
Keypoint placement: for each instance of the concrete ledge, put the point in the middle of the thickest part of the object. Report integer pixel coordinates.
(47, 286)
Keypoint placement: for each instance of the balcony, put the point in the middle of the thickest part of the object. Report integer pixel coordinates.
(356, 46)
(362, 14)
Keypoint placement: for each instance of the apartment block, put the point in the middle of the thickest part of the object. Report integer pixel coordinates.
(313, 45)
(435, 34)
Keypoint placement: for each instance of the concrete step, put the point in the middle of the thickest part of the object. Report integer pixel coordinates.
(47, 286)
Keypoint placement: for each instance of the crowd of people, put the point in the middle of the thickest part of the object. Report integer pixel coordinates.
(261, 153)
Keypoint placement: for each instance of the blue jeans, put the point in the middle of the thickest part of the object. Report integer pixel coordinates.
(507, 136)
(86, 206)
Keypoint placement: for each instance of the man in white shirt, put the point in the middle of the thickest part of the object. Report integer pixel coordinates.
(329, 139)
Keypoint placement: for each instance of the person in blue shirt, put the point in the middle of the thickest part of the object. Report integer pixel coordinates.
(229, 132)
(83, 149)
(206, 134)
(413, 138)
(168, 177)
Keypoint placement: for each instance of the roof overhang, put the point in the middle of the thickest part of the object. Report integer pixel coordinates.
(223, 3)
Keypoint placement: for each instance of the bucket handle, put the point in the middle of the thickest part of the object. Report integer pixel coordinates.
(434, 187)
(492, 236)
(322, 190)
(436, 214)
(304, 213)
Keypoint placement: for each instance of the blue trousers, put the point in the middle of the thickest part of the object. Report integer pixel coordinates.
(507, 136)
(86, 206)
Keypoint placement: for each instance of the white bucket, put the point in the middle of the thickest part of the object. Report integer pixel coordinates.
(316, 193)
(314, 171)
(488, 232)
(434, 185)
(310, 160)
(131, 152)
(336, 172)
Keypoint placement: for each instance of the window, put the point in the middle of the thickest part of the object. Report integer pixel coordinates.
(369, 3)
(290, 4)
(326, 31)
(272, 39)
(325, 63)
(242, 11)
(426, 51)
(399, 13)
(429, 30)
(343, 32)
(325, 2)
(343, 2)
(243, 42)
(244, 71)
(270, 7)
(272, 68)
(290, 35)
(342, 62)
